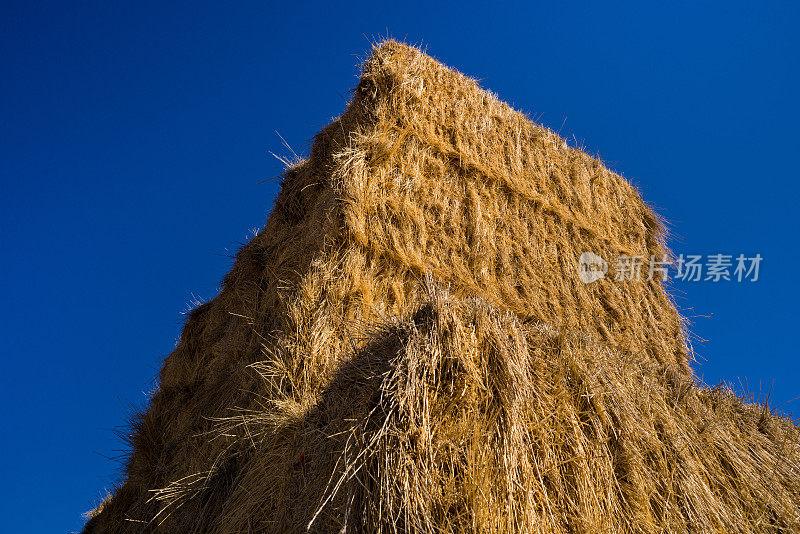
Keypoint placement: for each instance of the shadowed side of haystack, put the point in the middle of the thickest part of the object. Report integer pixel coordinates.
(407, 346)
(207, 376)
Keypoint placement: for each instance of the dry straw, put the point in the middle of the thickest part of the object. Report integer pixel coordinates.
(406, 347)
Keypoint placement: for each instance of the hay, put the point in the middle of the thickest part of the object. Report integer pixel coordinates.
(406, 347)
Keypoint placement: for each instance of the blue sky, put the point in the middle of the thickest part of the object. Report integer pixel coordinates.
(135, 143)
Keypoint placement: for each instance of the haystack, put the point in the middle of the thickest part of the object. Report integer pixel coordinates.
(407, 347)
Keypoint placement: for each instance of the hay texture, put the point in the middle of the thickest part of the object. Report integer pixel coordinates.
(407, 347)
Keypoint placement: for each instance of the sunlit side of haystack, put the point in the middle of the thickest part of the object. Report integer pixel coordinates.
(407, 347)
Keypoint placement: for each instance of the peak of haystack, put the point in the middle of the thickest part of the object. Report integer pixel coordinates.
(407, 347)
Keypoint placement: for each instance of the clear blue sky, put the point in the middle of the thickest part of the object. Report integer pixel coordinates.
(135, 138)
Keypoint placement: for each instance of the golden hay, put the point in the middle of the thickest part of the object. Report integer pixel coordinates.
(406, 347)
